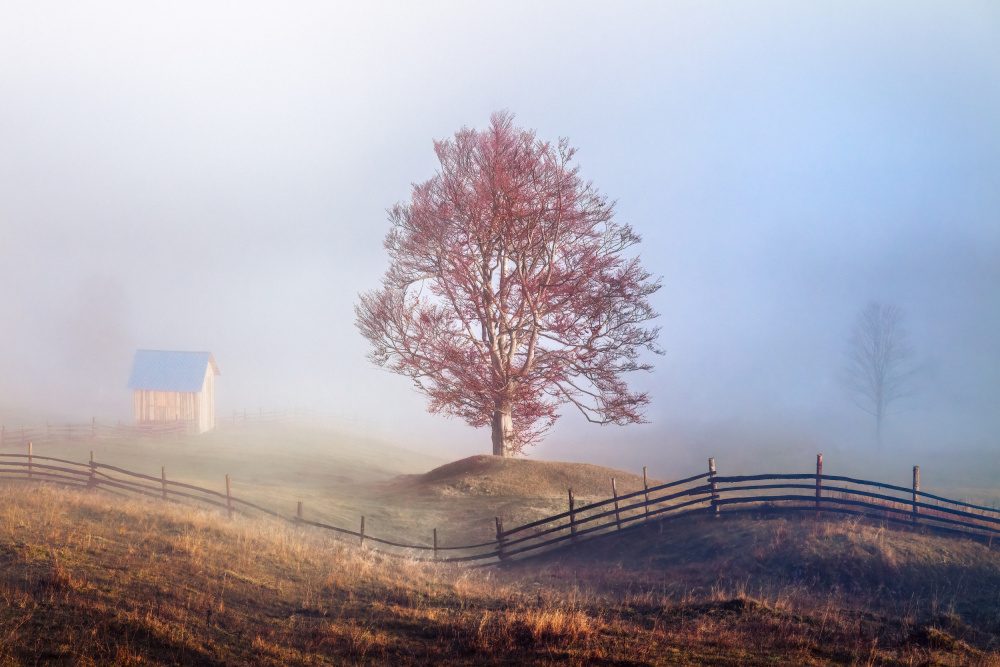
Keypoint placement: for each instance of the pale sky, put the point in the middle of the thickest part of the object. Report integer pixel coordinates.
(214, 176)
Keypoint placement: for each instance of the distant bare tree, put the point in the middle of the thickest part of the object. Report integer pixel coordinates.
(880, 366)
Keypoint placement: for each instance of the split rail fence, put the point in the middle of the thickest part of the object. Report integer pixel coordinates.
(707, 494)
(84, 431)
(261, 417)
(20, 436)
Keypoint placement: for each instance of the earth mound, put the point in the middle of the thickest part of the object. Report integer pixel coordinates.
(498, 476)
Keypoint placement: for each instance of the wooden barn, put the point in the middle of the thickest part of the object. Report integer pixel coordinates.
(174, 387)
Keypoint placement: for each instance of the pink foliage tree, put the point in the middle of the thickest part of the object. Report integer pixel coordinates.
(509, 292)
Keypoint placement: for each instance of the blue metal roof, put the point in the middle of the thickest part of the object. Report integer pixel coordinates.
(159, 370)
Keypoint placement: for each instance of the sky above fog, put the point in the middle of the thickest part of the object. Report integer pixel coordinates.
(215, 177)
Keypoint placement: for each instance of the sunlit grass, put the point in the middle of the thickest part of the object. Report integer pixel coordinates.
(93, 579)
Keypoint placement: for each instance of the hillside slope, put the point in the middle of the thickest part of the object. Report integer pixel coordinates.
(496, 476)
(91, 579)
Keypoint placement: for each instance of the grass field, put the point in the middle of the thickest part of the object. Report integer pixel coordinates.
(332, 472)
(341, 476)
(89, 579)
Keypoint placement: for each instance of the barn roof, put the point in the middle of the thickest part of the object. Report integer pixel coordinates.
(160, 370)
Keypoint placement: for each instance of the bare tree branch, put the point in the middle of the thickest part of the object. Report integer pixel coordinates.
(880, 366)
(527, 300)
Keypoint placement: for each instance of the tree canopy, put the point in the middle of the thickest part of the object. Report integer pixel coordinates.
(509, 291)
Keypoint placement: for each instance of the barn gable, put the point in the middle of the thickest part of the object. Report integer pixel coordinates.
(174, 386)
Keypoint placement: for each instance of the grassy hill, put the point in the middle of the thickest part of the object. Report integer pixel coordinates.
(89, 579)
(525, 478)
(341, 476)
(461, 498)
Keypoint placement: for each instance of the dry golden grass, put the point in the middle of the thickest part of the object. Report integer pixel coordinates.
(276, 467)
(340, 476)
(89, 579)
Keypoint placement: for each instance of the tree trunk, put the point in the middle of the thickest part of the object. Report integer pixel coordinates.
(503, 433)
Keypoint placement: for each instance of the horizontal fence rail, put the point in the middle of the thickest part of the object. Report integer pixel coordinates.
(708, 494)
(261, 417)
(112, 479)
(20, 436)
(88, 431)
(713, 494)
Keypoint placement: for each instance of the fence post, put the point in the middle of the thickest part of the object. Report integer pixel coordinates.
(819, 480)
(93, 428)
(500, 539)
(645, 486)
(362, 532)
(572, 516)
(29, 461)
(435, 544)
(229, 498)
(3, 435)
(916, 488)
(614, 492)
(714, 486)
(298, 512)
(163, 478)
(92, 482)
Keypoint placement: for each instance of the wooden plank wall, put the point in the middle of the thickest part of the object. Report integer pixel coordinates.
(206, 402)
(168, 406)
(165, 406)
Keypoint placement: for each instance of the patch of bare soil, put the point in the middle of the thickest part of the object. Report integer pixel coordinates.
(497, 476)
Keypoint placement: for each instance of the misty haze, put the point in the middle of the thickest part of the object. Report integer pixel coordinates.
(814, 192)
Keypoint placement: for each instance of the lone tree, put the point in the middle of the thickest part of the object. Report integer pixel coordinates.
(879, 361)
(509, 292)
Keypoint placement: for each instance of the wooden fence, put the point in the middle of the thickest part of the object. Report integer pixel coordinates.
(708, 494)
(20, 436)
(90, 431)
(714, 495)
(260, 417)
